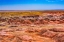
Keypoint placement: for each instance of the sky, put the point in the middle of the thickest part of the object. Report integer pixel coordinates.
(31, 4)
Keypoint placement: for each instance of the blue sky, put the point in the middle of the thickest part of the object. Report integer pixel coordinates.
(31, 4)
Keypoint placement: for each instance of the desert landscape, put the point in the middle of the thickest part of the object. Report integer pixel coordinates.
(32, 26)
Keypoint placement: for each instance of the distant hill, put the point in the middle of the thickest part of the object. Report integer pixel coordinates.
(28, 12)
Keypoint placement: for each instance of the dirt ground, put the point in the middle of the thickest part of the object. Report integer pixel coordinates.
(32, 33)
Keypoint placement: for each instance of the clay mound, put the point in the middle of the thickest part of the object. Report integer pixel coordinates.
(57, 34)
(32, 35)
(57, 29)
(59, 38)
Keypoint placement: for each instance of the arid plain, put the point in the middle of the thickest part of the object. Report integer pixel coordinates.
(32, 26)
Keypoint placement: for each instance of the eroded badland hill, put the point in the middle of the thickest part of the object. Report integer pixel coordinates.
(32, 26)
